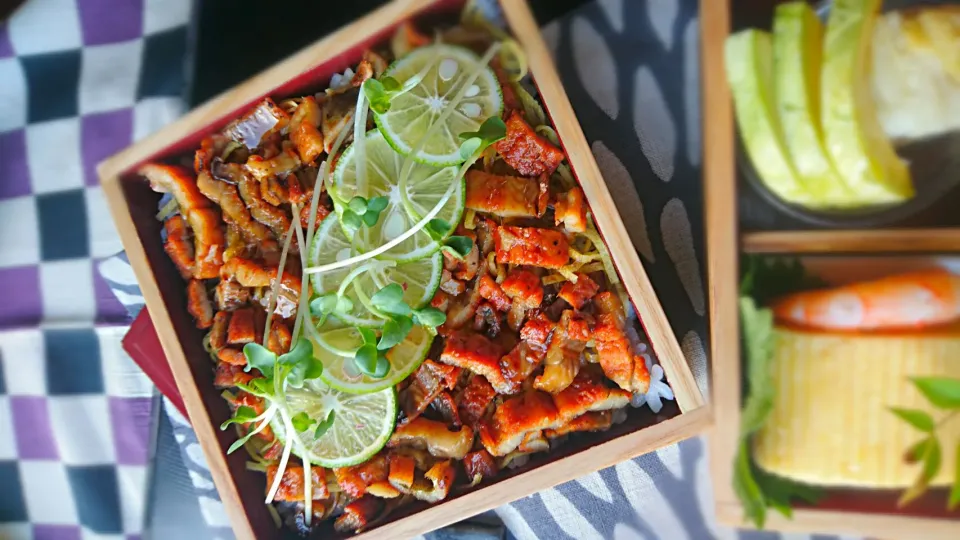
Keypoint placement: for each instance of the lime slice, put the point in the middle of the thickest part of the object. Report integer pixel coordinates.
(419, 279)
(797, 50)
(412, 113)
(362, 424)
(861, 152)
(340, 372)
(425, 185)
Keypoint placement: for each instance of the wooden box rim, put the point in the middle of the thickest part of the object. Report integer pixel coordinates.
(695, 416)
(724, 244)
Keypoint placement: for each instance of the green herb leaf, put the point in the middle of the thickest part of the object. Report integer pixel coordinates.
(358, 204)
(352, 219)
(430, 316)
(382, 368)
(369, 336)
(461, 245)
(301, 352)
(326, 424)
(438, 228)
(764, 278)
(491, 130)
(377, 204)
(259, 357)
(366, 359)
(940, 391)
(954, 501)
(301, 422)
(918, 419)
(370, 219)
(759, 341)
(746, 488)
(323, 305)
(914, 454)
(344, 305)
(377, 95)
(390, 300)
(390, 84)
(239, 442)
(469, 147)
(931, 466)
(394, 331)
(242, 415)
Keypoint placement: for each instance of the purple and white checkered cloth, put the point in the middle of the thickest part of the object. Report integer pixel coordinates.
(79, 80)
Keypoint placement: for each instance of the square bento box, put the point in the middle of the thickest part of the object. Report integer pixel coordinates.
(745, 219)
(134, 206)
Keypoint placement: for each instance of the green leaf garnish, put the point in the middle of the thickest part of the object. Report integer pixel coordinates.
(368, 336)
(382, 368)
(302, 351)
(931, 466)
(954, 501)
(460, 246)
(469, 147)
(430, 316)
(259, 357)
(491, 130)
(918, 419)
(394, 331)
(390, 84)
(438, 228)
(242, 415)
(344, 305)
(366, 359)
(759, 342)
(377, 204)
(301, 422)
(377, 95)
(358, 205)
(390, 300)
(240, 442)
(942, 392)
(323, 305)
(324, 425)
(352, 219)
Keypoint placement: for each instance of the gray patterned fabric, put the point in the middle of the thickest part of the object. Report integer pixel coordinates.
(631, 70)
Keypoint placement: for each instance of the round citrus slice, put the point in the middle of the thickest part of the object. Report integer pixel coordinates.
(361, 424)
(340, 371)
(456, 80)
(425, 186)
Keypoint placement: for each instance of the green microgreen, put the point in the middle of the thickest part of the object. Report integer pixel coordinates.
(325, 424)
(390, 300)
(492, 130)
(380, 92)
(394, 331)
(302, 422)
(360, 211)
(457, 246)
(243, 415)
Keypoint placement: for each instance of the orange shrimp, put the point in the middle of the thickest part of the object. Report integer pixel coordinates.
(910, 300)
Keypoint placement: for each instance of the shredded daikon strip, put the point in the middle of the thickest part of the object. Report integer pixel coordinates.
(275, 290)
(513, 60)
(256, 466)
(549, 133)
(566, 176)
(608, 266)
(470, 219)
(169, 209)
(584, 257)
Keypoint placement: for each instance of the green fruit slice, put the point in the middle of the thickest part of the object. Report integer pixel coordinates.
(425, 185)
(362, 424)
(412, 113)
(749, 63)
(797, 52)
(341, 373)
(861, 152)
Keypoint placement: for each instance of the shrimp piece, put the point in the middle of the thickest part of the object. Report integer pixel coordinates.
(910, 300)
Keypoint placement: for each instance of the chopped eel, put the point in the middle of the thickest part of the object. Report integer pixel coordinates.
(251, 128)
(504, 196)
(427, 382)
(433, 486)
(249, 273)
(402, 470)
(562, 361)
(376, 61)
(204, 219)
(571, 210)
(441, 301)
(532, 246)
(447, 407)
(292, 483)
(461, 311)
(354, 480)
(433, 436)
(491, 291)
(451, 285)
(591, 421)
(280, 165)
(514, 418)
(241, 330)
(616, 355)
(271, 216)
(510, 100)
(588, 393)
(359, 513)
(475, 400)
(537, 331)
(230, 295)
(304, 130)
(488, 318)
(280, 337)
(524, 150)
(478, 354)
(199, 304)
(579, 293)
(222, 189)
(236, 245)
(338, 112)
(383, 489)
(466, 268)
(532, 442)
(523, 287)
(479, 465)
(218, 332)
(232, 356)
(178, 245)
(229, 375)
(322, 212)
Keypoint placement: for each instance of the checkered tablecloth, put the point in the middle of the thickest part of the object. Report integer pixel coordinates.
(79, 80)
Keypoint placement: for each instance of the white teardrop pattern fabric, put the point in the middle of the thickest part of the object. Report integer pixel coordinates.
(631, 70)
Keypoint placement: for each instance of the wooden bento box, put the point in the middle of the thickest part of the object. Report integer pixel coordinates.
(741, 221)
(134, 206)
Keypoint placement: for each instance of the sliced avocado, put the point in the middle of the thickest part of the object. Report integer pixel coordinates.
(861, 152)
(797, 53)
(749, 63)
